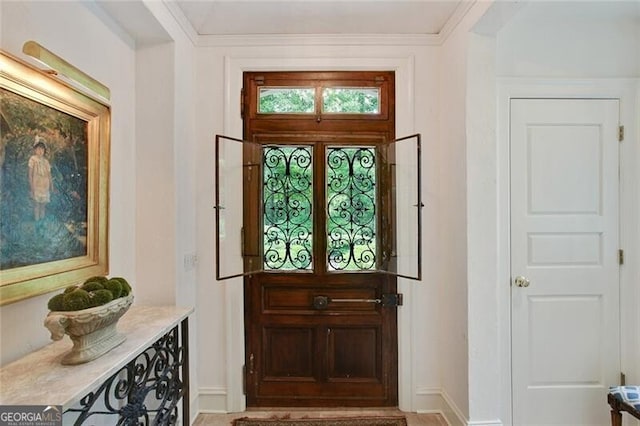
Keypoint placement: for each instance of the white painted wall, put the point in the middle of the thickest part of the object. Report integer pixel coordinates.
(165, 224)
(468, 350)
(165, 153)
(485, 360)
(572, 39)
(452, 235)
(156, 184)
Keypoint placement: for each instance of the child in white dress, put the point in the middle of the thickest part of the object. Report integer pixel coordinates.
(40, 180)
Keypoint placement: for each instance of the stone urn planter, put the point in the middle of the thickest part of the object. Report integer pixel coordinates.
(92, 331)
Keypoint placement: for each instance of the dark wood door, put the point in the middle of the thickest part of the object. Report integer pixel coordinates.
(317, 219)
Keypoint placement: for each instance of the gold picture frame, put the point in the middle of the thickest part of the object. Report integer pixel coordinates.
(54, 182)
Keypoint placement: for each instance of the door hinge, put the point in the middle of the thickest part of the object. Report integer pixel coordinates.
(620, 257)
(242, 103)
(244, 379)
(620, 133)
(246, 371)
(242, 241)
(391, 300)
(623, 379)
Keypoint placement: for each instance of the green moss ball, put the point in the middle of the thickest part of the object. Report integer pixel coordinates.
(126, 288)
(100, 297)
(115, 287)
(92, 286)
(56, 303)
(98, 278)
(76, 300)
(70, 289)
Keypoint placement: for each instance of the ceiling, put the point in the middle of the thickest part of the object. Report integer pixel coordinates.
(355, 17)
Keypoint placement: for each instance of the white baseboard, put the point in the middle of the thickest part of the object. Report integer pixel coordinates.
(212, 400)
(194, 409)
(436, 400)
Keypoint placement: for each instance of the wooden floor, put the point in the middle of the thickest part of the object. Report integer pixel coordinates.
(413, 419)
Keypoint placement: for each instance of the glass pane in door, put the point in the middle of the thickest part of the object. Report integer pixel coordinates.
(287, 193)
(351, 100)
(234, 257)
(286, 100)
(400, 164)
(351, 208)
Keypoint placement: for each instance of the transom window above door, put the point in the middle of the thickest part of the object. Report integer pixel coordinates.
(333, 100)
(297, 95)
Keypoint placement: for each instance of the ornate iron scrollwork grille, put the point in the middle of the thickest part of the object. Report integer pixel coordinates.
(146, 391)
(351, 208)
(287, 209)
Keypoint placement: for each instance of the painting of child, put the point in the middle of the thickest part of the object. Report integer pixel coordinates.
(43, 183)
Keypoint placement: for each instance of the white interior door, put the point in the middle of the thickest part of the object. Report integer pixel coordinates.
(564, 245)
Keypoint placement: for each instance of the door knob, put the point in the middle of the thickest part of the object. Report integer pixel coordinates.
(321, 302)
(521, 281)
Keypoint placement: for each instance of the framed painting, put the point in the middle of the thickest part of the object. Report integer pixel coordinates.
(54, 182)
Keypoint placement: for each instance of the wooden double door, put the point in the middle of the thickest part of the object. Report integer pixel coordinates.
(319, 239)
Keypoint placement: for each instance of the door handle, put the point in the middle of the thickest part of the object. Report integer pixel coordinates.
(521, 281)
(387, 301)
(322, 302)
(357, 300)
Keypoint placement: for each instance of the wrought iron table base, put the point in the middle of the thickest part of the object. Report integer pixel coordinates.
(147, 390)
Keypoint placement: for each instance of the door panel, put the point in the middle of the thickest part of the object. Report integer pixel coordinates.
(352, 354)
(333, 355)
(564, 242)
(280, 361)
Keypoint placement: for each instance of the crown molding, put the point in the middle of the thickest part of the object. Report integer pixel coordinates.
(182, 20)
(457, 16)
(319, 39)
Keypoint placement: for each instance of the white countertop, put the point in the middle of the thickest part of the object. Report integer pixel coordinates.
(39, 379)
